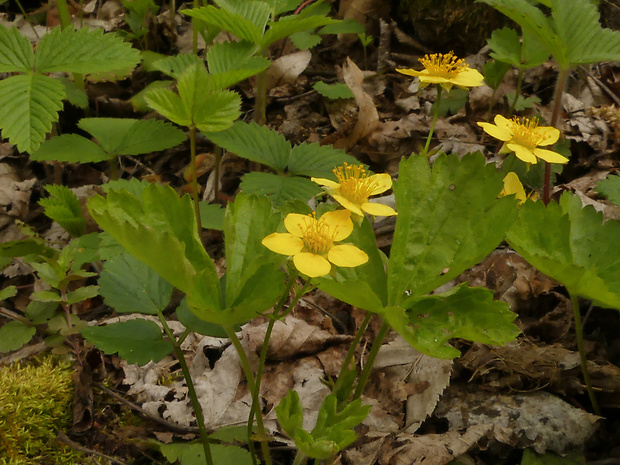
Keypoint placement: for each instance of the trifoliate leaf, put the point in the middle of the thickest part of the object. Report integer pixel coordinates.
(233, 62)
(174, 66)
(71, 148)
(573, 245)
(137, 341)
(30, 104)
(279, 189)
(15, 334)
(428, 323)
(64, 207)
(83, 51)
(169, 105)
(129, 286)
(139, 103)
(610, 188)
(333, 91)
(448, 220)
(505, 46)
(16, 53)
(231, 22)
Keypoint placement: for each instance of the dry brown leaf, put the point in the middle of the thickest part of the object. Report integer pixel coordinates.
(14, 194)
(286, 69)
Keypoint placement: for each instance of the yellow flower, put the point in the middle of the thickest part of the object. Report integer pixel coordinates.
(512, 185)
(311, 242)
(445, 70)
(353, 188)
(523, 136)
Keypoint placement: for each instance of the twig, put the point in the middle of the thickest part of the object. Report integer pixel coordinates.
(62, 437)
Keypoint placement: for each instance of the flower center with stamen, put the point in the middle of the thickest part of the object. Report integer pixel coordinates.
(525, 132)
(316, 235)
(443, 65)
(355, 184)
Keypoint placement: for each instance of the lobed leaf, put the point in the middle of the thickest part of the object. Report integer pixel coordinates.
(610, 188)
(256, 11)
(14, 335)
(316, 160)
(169, 105)
(16, 53)
(30, 104)
(137, 341)
(70, 148)
(333, 91)
(231, 22)
(448, 220)
(279, 189)
(83, 51)
(174, 66)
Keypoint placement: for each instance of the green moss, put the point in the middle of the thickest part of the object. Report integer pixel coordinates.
(35, 400)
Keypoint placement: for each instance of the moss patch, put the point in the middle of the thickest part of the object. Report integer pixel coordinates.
(35, 400)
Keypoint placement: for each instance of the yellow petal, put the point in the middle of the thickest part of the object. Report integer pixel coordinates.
(295, 222)
(512, 185)
(350, 206)
(339, 223)
(283, 243)
(378, 209)
(549, 134)
(468, 78)
(326, 182)
(382, 183)
(550, 156)
(311, 264)
(523, 153)
(433, 79)
(409, 72)
(347, 255)
(504, 123)
(495, 131)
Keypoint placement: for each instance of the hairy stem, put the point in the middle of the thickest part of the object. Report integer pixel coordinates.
(190, 388)
(374, 350)
(582, 353)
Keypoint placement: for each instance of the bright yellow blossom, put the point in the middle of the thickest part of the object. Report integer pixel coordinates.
(524, 136)
(445, 70)
(512, 185)
(353, 188)
(312, 242)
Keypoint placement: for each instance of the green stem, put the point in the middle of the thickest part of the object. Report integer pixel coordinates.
(374, 350)
(249, 376)
(434, 122)
(557, 106)
(351, 354)
(300, 458)
(194, 174)
(63, 13)
(190, 389)
(582, 353)
(517, 93)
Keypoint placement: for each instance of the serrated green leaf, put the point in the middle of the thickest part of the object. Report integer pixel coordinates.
(257, 12)
(610, 188)
(233, 62)
(316, 160)
(290, 413)
(126, 136)
(363, 286)
(133, 186)
(16, 53)
(138, 101)
(505, 46)
(81, 294)
(428, 323)
(279, 189)
(174, 66)
(76, 95)
(494, 72)
(573, 245)
(15, 334)
(289, 25)
(30, 104)
(169, 105)
(236, 24)
(193, 454)
(522, 103)
(46, 296)
(64, 207)
(40, 312)
(256, 143)
(188, 319)
(333, 91)
(70, 148)
(585, 41)
(83, 51)
(448, 220)
(305, 40)
(137, 341)
(130, 286)
(8, 292)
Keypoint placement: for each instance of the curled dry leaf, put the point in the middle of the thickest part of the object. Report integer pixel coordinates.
(286, 69)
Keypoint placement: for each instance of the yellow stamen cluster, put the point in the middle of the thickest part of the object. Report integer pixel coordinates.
(355, 184)
(316, 235)
(525, 132)
(443, 65)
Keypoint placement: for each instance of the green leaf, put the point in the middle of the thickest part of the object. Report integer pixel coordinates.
(193, 454)
(46, 296)
(40, 312)
(231, 22)
(212, 216)
(16, 53)
(305, 40)
(187, 318)
(139, 102)
(15, 334)
(316, 160)
(583, 38)
(169, 105)
(280, 189)
(428, 323)
(83, 51)
(8, 292)
(256, 143)
(494, 72)
(126, 136)
(288, 25)
(505, 46)
(137, 341)
(345, 26)
(160, 230)
(64, 207)
(75, 95)
(610, 188)
(522, 103)
(290, 413)
(174, 66)
(128, 285)
(532, 458)
(81, 294)
(573, 245)
(26, 247)
(452, 102)
(333, 91)
(233, 62)
(257, 12)
(363, 286)
(448, 220)
(30, 104)
(71, 148)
